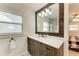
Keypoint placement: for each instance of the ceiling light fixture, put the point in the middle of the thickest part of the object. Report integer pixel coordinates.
(45, 12)
(73, 20)
(75, 17)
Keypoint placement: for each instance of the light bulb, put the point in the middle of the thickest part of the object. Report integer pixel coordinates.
(47, 10)
(39, 14)
(73, 20)
(50, 12)
(76, 19)
(43, 12)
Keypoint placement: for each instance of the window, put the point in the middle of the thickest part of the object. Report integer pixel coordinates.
(10, 23)
(45, 26)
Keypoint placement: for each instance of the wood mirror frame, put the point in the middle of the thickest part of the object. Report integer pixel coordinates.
(61, 21)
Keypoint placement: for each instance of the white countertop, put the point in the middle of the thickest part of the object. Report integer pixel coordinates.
(55, 42)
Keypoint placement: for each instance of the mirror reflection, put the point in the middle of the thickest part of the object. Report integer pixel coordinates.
(48, 19)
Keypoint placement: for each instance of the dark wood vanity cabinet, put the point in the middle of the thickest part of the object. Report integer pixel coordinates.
(37, 48)
(50, 51)
(33, 47)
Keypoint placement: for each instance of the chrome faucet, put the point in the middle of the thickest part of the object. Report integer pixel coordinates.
(41, 35)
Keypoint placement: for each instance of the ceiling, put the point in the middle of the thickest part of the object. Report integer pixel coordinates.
(74, 7)
(36, 6)
(18, 6)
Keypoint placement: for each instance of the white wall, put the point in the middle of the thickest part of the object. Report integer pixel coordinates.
(29, 21)
(4, 46)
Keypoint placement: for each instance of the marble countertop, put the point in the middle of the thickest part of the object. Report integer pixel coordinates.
(51, 41)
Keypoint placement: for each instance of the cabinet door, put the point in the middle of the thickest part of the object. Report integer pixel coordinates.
(50, 51)
(42, 50)
(30, 46)
(33, 47)
(59, 52)
(36, 48)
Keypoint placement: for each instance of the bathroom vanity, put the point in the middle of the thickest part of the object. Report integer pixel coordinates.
(49, 20)
(44, 46)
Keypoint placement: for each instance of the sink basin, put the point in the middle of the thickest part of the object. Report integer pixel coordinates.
(52, 41)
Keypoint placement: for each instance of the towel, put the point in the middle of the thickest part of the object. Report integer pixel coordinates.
(12, 43)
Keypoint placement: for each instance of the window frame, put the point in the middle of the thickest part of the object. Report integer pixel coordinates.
(12, 33)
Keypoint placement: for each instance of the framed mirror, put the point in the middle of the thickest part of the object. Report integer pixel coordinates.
(50, 20)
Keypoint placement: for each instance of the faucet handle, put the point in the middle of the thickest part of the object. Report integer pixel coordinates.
(41, 35)
(44, 36)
